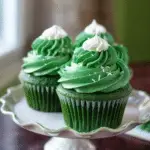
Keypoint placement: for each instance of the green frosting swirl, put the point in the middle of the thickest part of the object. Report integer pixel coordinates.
(122, 52)
(84, 36)
(91, 71)
(47, 56)
(55, 47)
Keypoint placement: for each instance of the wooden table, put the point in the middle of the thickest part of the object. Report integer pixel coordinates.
(12, 137)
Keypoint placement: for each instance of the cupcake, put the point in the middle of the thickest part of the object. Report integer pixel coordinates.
(94, 87)
(90, 31)
(39, 72)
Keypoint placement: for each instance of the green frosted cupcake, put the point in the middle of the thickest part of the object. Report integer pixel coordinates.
(39, 72)
(94, 87)
(90, 31)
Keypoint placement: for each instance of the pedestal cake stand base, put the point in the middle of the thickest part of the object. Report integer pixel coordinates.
(69, 144)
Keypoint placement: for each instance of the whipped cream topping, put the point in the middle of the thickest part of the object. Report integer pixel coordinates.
(95, 28)
(96, 43)
(54, 32)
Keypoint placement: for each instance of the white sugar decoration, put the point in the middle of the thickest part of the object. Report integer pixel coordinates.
(95, 44)
(99, 77)
(109, 73)
(93, 80)
(54, 32)
(95, 28)
(73, 66)
(103, 69)
(107, 67)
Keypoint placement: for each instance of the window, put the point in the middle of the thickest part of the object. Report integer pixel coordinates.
(8, 25)
(15, 29)
(1, 21)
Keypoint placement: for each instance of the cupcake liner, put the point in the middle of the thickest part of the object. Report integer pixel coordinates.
(42, 98)
(84, 115)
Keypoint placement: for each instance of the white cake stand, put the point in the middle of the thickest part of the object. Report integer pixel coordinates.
(64, 138)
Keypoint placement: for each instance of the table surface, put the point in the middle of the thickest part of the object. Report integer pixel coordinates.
(12, 137)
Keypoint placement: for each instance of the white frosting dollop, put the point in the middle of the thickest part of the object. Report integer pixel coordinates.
(95, 28)
(54, 32)
(96, 43)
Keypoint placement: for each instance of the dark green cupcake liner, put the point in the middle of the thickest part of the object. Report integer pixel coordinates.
(42, 98)
(84, 115)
